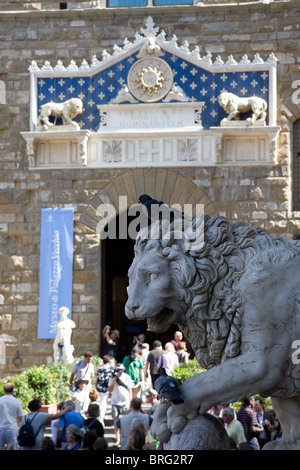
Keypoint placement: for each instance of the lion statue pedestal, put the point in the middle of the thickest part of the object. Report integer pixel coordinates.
(201, 433)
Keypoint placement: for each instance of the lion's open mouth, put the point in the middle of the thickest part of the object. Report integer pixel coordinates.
(162, 321)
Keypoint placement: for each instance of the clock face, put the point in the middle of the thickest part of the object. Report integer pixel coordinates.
(150, 79)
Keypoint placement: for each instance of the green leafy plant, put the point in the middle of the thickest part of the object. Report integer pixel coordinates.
(21, 388)
(60, 377)
(186, 370)
(40, 381)
(48, 383)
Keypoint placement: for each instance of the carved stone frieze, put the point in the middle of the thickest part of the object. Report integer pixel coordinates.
(187, 150)
(113, 151)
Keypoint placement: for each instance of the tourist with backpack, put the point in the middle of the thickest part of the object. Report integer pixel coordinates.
(92, 422)
(33, 424)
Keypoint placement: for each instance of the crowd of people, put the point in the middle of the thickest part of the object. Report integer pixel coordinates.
(251, 428)
(79, 423)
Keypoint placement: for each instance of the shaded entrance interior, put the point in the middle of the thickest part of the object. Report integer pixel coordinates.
(116, 257)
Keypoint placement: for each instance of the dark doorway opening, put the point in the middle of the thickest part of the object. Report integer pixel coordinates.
(116, 258)
(296, 166)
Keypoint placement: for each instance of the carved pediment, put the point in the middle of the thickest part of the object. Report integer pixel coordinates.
(148, 73)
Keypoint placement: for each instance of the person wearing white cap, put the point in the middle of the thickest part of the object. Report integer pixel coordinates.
(119, 386)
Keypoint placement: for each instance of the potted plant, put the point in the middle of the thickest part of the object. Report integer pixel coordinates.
(40, 381)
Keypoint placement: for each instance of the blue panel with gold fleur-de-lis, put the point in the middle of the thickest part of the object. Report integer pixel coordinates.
(197, 82)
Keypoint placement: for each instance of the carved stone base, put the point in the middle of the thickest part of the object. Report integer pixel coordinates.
(205, 432)
(189, 146)
(242, 123)
(62, 128)
(57, 148)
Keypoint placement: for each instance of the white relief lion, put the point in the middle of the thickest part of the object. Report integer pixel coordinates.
(237, 302)
(234, 105)
(66, 110)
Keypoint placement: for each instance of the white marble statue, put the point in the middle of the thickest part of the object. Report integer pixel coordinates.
(62, 347)
(237, 301)
(66, 110)
(234, 105)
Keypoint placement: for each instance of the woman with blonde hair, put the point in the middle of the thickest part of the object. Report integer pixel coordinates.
(169, 359)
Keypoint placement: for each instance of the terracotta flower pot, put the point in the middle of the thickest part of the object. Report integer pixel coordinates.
(51, 408)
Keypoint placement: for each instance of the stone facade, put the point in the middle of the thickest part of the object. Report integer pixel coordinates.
(259, 194)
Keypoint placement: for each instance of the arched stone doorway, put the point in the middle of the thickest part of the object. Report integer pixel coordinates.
(168, 185)
(116, 258)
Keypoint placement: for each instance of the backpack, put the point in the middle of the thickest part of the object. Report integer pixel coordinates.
(26, 437)
(86, 428)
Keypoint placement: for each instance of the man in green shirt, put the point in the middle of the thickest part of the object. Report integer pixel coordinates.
(135, 369)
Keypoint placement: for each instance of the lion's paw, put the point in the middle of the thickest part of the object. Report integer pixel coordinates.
(159, 427)
(178, 416)
(177, 423)
(170, 419)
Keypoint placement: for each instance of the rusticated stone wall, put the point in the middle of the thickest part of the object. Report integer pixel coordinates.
(259, 194)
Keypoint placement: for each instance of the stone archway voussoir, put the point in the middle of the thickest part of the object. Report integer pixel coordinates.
(160, 183)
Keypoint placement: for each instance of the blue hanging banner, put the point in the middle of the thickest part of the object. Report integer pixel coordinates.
(56, 268)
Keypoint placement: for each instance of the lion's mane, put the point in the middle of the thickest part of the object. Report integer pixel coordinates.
(207, 280)
(72, 111)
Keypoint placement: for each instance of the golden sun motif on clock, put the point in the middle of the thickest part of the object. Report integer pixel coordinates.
(150, 79)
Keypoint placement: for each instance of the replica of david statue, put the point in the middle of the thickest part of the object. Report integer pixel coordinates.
(62, 347)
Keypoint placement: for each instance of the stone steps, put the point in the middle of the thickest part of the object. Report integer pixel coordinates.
(109, 432)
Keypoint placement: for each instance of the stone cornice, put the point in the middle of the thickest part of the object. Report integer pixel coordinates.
(156, 10)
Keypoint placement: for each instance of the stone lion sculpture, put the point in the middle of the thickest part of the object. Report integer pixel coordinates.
(237, 301)
(234, 105)
(66, 110)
